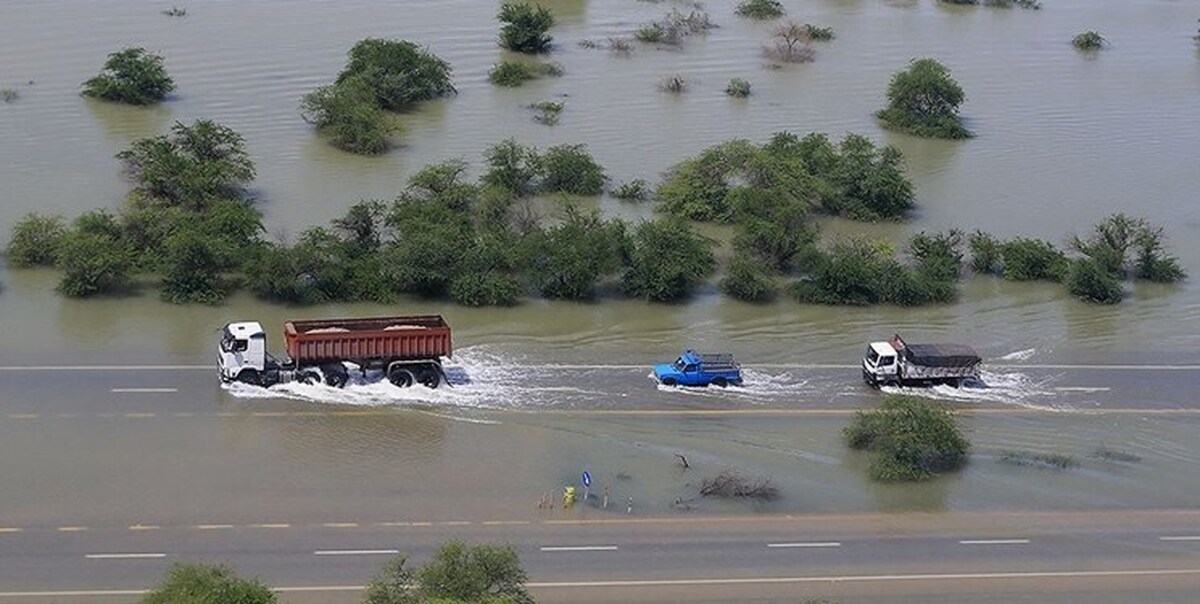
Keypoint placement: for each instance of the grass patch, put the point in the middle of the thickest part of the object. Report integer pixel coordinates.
(511, 73)
(1055, 461)
(1089, 41)
(909, 439)
(738, 88)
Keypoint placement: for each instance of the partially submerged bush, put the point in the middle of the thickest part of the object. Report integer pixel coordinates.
(192, 269)
(512, 166)
(748, 280)
(674, 84)
(9, 95)
(1089, 41)
(760, 9)
(731, 484)
(674, 27)
(93, 263)
(635, 190)
(131, 76)
(923, 100)
(347, 113)
(667, 261)
(1130, 247)
(909, 439)
(568, 260)
(548, 112)
(1087, 280)
(862, 273)
(1028, 259)
(399, 72)
(525, 27)
(738, 88)
(791, 42)
(35, 241)
(195, 165)
(511, 73)
(207, 584)
(820, 34)
(1056, 461)
(571, 169)
(1115, 455)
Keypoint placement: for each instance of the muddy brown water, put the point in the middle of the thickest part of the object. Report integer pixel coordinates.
(1064, 139)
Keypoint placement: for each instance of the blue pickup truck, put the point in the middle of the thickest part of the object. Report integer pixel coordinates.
(695, 369)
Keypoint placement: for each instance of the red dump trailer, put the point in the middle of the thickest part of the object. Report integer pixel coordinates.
(408, 349)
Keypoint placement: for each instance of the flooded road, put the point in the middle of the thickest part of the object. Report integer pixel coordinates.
(1063, 140)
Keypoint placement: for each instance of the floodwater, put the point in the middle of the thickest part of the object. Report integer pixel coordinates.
(1063, 139)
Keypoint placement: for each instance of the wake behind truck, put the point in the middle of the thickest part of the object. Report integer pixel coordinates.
(897, 363)
(407, 349)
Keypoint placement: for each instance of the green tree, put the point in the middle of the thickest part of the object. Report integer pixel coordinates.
(909, 439)
(348, 114)
(512, 167)
(525, 27)
(923, 100)
(35, 241)
(566, 261)
(444, 184)
(207, 584)
(479, 573)
(93, 259)
(400, 72)
(362, 227)
(748, 280)
(760, 9)
(1088, 280)
(668, 259)
(938, 255)
(429, 245)
(870, 181)
(393, 584)
(571, 169)
(192, 269)
(131, 76)
(1027, 259)
(195, 165)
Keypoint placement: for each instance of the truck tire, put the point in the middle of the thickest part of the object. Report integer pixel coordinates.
(335, 375)
(308, 376)
(669, 381)
(400, 378)
(250, 376)
(720, 382)
(428, 377)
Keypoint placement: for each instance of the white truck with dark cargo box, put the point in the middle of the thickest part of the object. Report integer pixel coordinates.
(897, 363)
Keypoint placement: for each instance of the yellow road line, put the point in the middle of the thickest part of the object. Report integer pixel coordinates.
(340, 525)
(212, 527)
(72, 529)
(277, 525)
(144, 527)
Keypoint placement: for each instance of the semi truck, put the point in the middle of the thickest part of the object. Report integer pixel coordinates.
(695, 369)
(897, 363)
(407, 349)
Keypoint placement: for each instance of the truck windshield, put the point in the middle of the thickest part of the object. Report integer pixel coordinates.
(886, 361)
(872, 356)
(679, 364)
(234, 345)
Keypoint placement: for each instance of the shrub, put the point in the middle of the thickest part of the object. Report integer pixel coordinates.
(674, 84)
(869, 181)
(192, 270)
(393, 584)
(207, 584)
(488, 289)
(772, 230)
(791, 43)
(1057, 461)
(571, 169)
(862, 273)
(1089, 41)
(650, 33)
(1089, 281)
(820, 34)
(923, 101)
(634, 190)
(938, 255)
(442, 184)
(9, 95)
(1125, 246)
(511, 73)
(399, 72)
(760, 9)
(987, 253)
(674, 27)
(909, 439)
(193, 166)
(525, 27)
(548, 112)
(512, 166)
(93, 264)
(668, 259)
(347, 113)
(482, 573)
(429, 247)
(1032, 259)
(566, 261)
(35, 241)
(748, 281)
(175, 11)
(738, 88)
(131, 76)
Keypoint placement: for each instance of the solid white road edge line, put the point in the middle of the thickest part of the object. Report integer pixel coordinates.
(993, 542)
(355, 552)
(579, 548)
(1180, 538)
(807, 544)
(123, 556)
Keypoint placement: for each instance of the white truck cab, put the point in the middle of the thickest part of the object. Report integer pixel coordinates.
(243, 347)
(879, 364)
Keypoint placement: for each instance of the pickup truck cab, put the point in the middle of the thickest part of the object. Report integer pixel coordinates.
(695, 369)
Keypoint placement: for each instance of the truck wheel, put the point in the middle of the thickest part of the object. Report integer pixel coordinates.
(336, 379)
(400, 378)
(720, 382)
(249, 376)
(308, 376)
(669, 381)
(429, 378)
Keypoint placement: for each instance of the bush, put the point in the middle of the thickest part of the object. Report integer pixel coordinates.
(482, 573)
(738, 88)
(909, 439)
(131, 76)
(192, 269)
(348, 115)
(399, 72)
(923, 101)
(566, 261)
(668, 259)
(489, 289)
(393, 584)
(792, 43)
(511, 73)
(548, 112)
(820, 34)
(987, 254)
(429, 248)
(1032, 259)
(748, 281)
(939, 255)
(674, 27)
(571, 169)
(869, 181)
(1089, 41)
(192, 167)
(207, 584)
(512, 167)
(674, 84)
(525, 27)
(93, 263)
(1125, 246)
(1089, 281)
(9, 95)
(760, 9)
(862, 273)
(634, 190)
(35, 241)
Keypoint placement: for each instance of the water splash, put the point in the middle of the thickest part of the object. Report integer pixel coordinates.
(1014, 389)
(1020, 355)
(758, 388)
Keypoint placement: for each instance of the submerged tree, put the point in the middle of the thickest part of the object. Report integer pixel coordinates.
(525, 27)
(566, 261)
(35, 241)
(909, 439)
(923, 100)
(131, 76)
(192, 167)
(348, 114)
(399, 72)
(668, 259)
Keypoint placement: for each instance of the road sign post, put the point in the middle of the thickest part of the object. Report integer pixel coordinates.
(587, 485)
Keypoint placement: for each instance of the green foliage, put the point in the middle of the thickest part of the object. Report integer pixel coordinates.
(923, 101)
(674, 27)
(393, 584)
(131, 76)
(566, 261)
(399, 72)
(738, 88)
(192, 269)
(479, 573)
(987, 254)
(861, 273)
(362, 227)
(650, 33)
(207, 584)
(512, 167)
(820, 34)
(668, 259)
(548, 112)
(772, 230)
(1028, 259)
(571, 169)
(511, 73)
(485, 275)
(938, 256)
(525, 27)
(760, 9)
(635, 190)
(748, 280)
(1125, 246)
(1057, 461)
(443, 184)
(869, 181)
(1089, 281)
(35, 241)
(429, 248)
(909, 439)
(92, 258)
(347, 113)
(193, 166)
(1089, 41)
